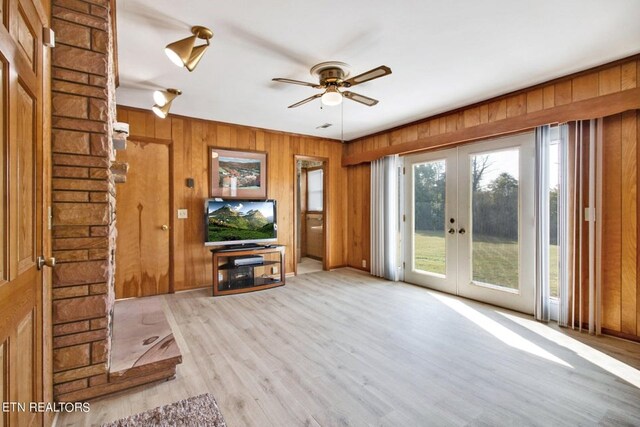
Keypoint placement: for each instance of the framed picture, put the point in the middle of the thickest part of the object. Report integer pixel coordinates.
(237, 174)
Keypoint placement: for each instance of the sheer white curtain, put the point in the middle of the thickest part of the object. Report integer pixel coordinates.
(548, 307)
(577, 303)
(384, 217)
(543, 142)
(565, 208)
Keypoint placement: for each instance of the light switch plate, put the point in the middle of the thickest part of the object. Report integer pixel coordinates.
(183, 214)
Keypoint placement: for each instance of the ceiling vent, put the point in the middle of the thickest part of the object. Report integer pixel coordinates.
(324, 126)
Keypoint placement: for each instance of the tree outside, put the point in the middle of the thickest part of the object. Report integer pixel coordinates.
(495, 222)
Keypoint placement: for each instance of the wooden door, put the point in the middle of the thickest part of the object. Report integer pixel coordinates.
(142, 209)
(21, 219)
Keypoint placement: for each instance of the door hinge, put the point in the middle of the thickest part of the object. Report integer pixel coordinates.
(48, 37)
(403, 265)
(404, 170)
(404, 218)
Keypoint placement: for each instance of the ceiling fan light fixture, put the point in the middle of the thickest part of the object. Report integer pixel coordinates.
(331, 97)
(163, 97)
(331, 76)
(184, 53)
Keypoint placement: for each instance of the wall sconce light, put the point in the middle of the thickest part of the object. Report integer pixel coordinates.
(163, 100)
(184, 53)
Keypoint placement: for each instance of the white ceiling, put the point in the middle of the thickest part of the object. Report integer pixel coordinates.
(444, 54)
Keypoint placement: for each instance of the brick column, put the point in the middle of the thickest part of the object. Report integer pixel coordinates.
(83, 194)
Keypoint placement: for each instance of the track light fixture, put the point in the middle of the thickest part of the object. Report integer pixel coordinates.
(162, 97)
(184, 53)
(163, 100)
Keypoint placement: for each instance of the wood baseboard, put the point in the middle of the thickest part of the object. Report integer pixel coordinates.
(357, 268)
(622, 335)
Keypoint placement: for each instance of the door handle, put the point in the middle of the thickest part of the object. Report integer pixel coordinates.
(165, 227)
(462, 231)
(452, 231)
(48, 262)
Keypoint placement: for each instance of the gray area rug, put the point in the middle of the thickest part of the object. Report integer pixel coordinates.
(195, 411)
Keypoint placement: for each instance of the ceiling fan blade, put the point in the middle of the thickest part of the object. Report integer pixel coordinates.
(304, 101)
(380, 71)
(370, 102)
(296, 82)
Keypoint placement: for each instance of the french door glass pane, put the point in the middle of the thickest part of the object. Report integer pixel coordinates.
(429, 217)
(495, 213)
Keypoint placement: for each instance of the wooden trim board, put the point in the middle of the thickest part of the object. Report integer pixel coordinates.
(592, 108)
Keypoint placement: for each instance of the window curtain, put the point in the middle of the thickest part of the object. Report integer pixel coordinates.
(581, 306)
(578, 302)
(542, 288)
(564, 233)
(384, 217)
(547, 308)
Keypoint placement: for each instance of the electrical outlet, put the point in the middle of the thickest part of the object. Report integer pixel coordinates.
(183, 214)
(364, 263)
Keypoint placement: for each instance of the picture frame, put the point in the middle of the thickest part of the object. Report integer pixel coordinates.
(237, 173)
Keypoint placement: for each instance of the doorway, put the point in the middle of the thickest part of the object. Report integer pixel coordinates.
(469, 225)
(311, 219)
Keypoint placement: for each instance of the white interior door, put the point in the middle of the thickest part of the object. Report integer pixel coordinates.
(430, 215)
(469, 225)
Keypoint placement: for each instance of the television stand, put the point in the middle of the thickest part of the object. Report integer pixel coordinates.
(229, 278)
(243, 247)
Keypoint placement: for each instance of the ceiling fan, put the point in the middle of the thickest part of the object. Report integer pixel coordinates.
(332, 77)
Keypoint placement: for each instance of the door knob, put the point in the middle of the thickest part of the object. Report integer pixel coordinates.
(452, 231)
(42, 262)
(165, 227)
(462, 231)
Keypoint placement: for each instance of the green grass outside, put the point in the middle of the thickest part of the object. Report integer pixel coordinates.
(495, 261)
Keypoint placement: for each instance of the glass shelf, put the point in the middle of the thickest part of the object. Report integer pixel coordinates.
(230, 278)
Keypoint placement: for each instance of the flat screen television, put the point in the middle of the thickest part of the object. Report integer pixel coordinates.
(238, 222)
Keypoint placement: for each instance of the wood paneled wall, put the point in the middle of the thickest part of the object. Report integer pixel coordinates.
(620, 234)
(359, 216)
(190, 139)
(579, 96)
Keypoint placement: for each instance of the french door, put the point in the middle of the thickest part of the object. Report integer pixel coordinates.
(469, 221)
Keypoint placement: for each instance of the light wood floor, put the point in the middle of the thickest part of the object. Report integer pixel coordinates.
(343, 348)
(309, 265)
